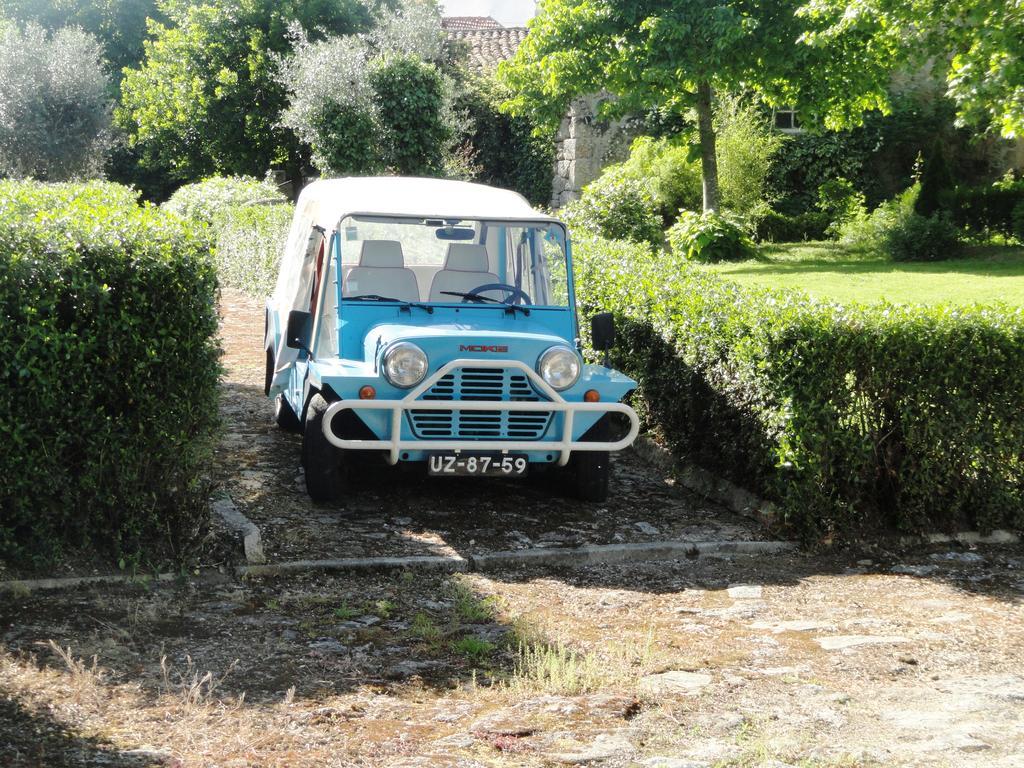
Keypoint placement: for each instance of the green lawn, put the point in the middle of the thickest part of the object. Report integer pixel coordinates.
(828, 270)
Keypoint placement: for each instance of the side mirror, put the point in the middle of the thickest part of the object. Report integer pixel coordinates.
(602, 331)
(300, 326)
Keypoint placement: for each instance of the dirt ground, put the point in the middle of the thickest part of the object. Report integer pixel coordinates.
(847, 658)
(744, 661)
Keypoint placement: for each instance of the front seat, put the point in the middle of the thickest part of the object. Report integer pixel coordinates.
(381, 272)
(466, 266)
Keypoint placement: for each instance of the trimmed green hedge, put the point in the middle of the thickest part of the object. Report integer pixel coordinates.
(245, 222)
(109, 404)
(851, 418)
(985, 210)
(775, 227)
(248, 243)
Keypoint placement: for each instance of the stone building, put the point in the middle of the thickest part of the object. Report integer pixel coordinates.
(583, 145)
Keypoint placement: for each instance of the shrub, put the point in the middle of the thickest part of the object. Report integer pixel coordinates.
(109, 402)
(869, 231)
(203, 200)
(987, 210)
(665, 167)
(922, 238)
(617, 207)
(501, 149)
(248, 245)
(936, 183)
(775, 227)
(393, 111)
(841, 202)
(410, 100)
(709, 237)
(54, 104)
(746, 146)
(1017, 220)
(849, 418)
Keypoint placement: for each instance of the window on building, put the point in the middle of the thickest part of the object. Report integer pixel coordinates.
(787, 120)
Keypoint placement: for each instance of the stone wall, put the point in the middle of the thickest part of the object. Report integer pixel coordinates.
(584, 145)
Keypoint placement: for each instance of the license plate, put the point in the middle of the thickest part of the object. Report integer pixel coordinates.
(490, 465)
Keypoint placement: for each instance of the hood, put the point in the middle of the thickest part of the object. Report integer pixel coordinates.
(451, 341)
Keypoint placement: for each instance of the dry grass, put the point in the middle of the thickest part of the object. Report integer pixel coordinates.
(556, 668)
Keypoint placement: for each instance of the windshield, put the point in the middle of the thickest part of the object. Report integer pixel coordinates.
(453, 261)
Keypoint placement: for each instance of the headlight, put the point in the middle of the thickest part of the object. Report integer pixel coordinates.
(405, 364)
(559, 367)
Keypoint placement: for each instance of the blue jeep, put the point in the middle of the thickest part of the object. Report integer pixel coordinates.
(432, 322)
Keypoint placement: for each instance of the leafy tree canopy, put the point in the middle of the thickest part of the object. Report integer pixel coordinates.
(207, 98)
(669, 55)
(981, 40)
(119, 25)
(54, 105)
(655, 53)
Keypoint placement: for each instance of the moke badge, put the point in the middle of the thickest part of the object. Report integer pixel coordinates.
(493, 348)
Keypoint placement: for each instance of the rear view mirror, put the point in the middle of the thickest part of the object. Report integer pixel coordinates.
(300, 325)
(455, 233)
(602, 331)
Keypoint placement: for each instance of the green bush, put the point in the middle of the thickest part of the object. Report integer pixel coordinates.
(775, 227)
(410, 101)
(850, 418)
(109, 403)
(987, 210)
(202, 201)
(1017, 220)
(746, 146)
(709, 237)
(248, 245)
(936, 183)
(923, 238)
(504, 150)
(664, 167)
(617, 207)
(869, 231)
(840, 201)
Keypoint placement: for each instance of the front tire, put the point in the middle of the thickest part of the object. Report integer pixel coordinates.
(324, 465)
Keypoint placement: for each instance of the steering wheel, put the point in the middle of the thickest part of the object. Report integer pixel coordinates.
(513, 293)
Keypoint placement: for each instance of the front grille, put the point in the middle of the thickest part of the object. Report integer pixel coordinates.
(504, 384)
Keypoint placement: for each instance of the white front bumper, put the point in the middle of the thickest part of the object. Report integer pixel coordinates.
(555, 404)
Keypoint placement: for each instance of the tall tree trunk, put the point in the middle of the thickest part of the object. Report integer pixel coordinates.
(706, 132)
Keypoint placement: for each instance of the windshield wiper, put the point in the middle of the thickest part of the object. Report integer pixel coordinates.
(405, 304)
(481, 299)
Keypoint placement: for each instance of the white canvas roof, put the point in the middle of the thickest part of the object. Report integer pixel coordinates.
(325, 202)
(405, 196)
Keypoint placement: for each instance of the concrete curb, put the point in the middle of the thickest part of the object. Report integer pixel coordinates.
(706, 483)
(622, 553)
(438, 564)
(70, 582)
(554, 556)
(997, 536)
(252, 542)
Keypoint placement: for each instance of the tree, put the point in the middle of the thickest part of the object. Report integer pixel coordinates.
(54, 109)
(976, 44)
(671, 56)
(391, 113)
(207, 98)
(119, 25)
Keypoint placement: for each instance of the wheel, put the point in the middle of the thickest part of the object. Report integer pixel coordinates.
(285, 416)
(326, 473)
(590, 473)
